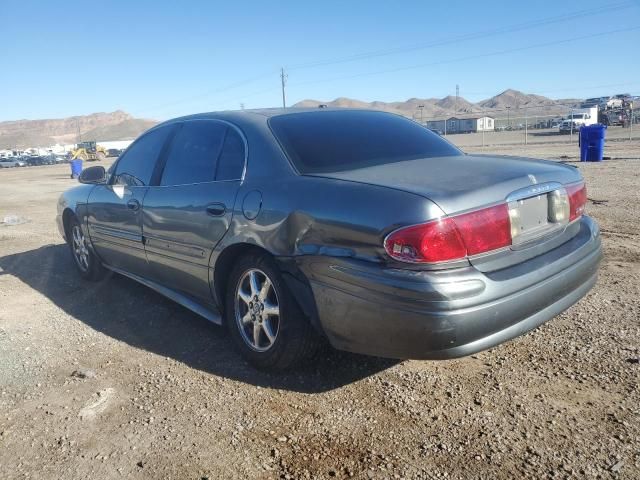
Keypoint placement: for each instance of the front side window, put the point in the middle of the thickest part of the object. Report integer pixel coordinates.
(135, 167)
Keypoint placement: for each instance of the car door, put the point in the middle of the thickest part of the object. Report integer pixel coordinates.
(188, 213)
(115, 210)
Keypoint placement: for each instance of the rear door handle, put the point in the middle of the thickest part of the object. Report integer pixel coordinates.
(216, 209)
(133, 204)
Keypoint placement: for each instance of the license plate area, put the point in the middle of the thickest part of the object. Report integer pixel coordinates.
(530, 219)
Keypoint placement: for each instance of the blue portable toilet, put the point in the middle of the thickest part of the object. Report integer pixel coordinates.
(76, 168)
(592, 142)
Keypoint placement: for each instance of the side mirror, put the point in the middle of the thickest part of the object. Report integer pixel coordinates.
(93, 175)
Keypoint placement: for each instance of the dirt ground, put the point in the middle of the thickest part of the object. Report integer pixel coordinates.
(110, 380)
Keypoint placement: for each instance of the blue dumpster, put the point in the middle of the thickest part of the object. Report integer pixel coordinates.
(76, 168)
(592, 142)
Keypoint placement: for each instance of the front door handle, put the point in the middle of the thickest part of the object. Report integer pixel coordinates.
(133, 204)
(216, 209)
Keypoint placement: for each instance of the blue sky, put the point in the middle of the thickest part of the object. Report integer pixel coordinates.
(159, 59)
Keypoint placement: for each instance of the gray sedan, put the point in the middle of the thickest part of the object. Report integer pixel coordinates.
(360, 227)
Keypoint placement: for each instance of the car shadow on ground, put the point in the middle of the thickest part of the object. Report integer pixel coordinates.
(134, 314)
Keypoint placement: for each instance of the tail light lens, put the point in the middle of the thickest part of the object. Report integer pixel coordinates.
(577, 200)
(452, 238)
(480, 231)
(435, 241)
(485, 230)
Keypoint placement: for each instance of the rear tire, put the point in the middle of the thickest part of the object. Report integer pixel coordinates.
(100, 156)
(86, 262)
(263, 318)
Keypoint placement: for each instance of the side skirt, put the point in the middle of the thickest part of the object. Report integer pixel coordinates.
(211, 314)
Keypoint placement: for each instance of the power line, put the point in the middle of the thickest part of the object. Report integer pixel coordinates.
(206, 94)
(465, 37)
(470, 57)
(396, 50)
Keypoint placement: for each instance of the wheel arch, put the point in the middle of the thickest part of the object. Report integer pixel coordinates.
(296, 281)
(67, 215)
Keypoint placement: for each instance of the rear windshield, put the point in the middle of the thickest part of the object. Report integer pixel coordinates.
(334, 141)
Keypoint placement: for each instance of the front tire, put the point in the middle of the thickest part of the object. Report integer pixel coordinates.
(86, 262)
(264, 320)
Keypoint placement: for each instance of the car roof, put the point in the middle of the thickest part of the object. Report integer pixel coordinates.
(257, 116)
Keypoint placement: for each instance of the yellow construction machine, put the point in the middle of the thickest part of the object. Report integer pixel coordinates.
(88, 151)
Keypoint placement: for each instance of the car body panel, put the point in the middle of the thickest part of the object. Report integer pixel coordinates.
(445, 314)
(115, 228)
(463, 182)
(182, 224)
(326, 233)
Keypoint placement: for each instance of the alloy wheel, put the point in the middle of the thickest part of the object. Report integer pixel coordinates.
(257, 310)
(80, 249)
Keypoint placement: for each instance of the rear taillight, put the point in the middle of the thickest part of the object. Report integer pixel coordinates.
(452, 238)
(577, 200)
(485, 230)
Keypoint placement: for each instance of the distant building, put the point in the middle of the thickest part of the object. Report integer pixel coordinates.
(463, 125)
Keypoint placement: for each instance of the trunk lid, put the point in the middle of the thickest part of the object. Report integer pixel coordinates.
(468, 182)
(463, 182)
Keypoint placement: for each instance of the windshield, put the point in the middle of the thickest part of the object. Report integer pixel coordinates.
(333, 141)
(578, 116)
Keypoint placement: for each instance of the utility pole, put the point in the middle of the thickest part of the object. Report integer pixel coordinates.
(526, 125)
(455, 109)
(283, 79)
(421, 107)
(508, 116)
(484, 126)
(78, 137)
(630, 119)
(571, 126)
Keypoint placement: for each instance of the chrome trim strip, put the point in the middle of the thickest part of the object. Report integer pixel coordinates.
(116, 233)
(532, 191)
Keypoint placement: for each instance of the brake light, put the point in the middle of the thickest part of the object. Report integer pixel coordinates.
(452, 238)
(577, 200)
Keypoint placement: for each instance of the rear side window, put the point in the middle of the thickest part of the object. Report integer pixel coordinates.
(135, 167)
(204, 151)
(231, 161)
(194, 152)
(333, 141)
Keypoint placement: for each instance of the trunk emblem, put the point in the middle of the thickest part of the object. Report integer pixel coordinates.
(533, 178)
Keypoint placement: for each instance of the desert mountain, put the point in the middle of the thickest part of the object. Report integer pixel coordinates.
(450, 106)
(116, 125)
(515, 99)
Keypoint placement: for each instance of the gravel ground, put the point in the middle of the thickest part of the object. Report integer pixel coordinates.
(111, 380)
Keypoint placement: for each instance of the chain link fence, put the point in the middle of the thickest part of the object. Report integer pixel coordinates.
(533, 125)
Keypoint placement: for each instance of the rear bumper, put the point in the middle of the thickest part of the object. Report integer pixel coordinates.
(366, 308)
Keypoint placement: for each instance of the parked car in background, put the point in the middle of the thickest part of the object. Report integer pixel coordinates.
(8, 162)
(36, 160)
(362, 227)
(114, 152)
